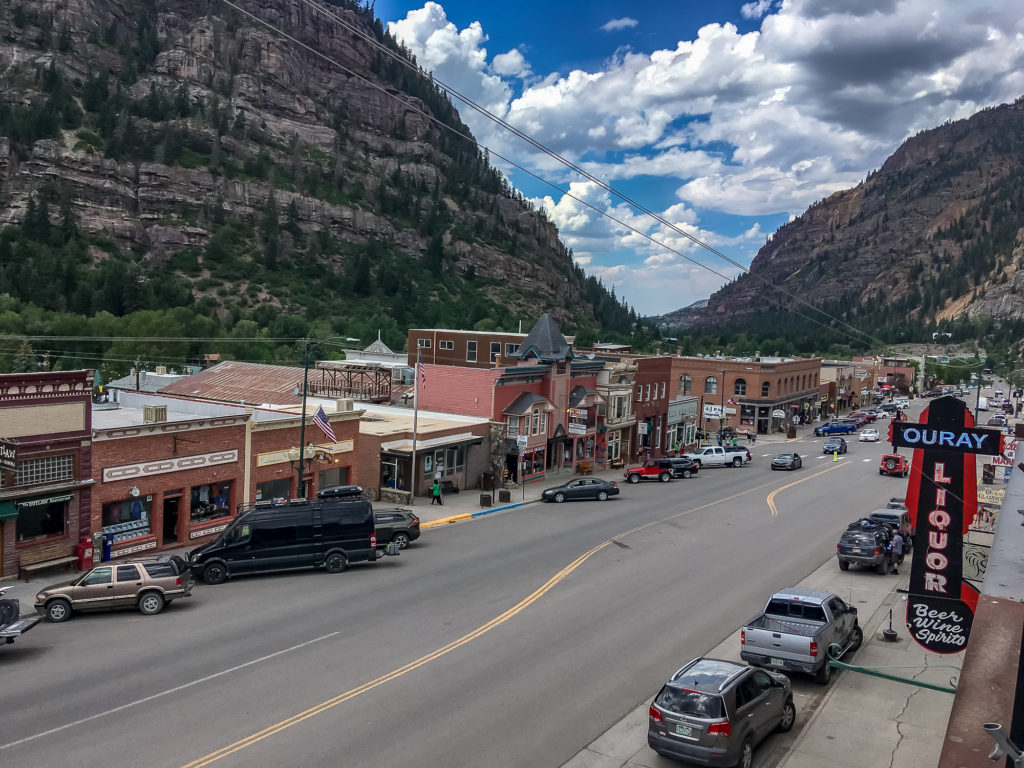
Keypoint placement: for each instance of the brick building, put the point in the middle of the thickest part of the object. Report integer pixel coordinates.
(45, 500)
(758, 393)
(465, 349)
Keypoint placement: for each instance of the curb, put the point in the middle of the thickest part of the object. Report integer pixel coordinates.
(471, 515)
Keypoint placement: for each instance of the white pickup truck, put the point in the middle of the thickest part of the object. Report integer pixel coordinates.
(716, 456)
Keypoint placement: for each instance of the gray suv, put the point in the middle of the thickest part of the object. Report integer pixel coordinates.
(714, 712)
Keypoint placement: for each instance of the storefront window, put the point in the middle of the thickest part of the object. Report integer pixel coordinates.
(273, 489)
(614, 445)
(42, 518)
(129, 518)
(211, 501)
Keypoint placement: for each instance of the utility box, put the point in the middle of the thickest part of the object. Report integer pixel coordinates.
(504, 496)
(485, 499)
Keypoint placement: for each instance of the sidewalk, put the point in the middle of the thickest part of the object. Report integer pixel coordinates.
(856, 721)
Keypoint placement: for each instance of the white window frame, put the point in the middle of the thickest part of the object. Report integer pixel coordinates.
(446, 344)
(423, 343)
(495, 351)
(470, 345)
(648, 394)
(513, 426)
(536, 421)
(510, 349)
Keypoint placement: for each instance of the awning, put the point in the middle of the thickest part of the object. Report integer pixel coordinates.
(8, 510)
(405, 446)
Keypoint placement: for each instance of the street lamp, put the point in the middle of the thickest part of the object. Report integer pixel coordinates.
(721, 416)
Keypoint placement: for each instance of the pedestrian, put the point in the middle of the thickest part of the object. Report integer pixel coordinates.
(753, 437)
(435, 491)
(896, 545)
(719, 438)
(734, 441)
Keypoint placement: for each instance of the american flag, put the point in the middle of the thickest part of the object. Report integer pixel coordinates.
(421, 369)
(320, 419)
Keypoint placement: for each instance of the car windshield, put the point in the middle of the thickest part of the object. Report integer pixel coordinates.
(682, 701)
(784, 457)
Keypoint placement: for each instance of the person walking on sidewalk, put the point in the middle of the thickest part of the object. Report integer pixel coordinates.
(435, 494)
(896, 545)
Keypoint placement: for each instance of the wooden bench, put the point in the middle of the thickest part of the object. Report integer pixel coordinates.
(28, 568)
(447, 486)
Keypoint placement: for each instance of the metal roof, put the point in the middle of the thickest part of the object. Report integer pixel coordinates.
(238, 382)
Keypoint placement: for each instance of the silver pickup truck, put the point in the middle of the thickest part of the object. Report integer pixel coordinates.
(795, 631)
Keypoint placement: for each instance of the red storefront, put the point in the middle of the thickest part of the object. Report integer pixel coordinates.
(44, 502)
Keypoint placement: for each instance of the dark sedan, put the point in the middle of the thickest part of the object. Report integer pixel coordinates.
(582, 488)
(787, 461)
(401, 526)
(835, 445)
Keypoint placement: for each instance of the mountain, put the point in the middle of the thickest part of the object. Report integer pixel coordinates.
(176, 168)
(930, 239)
(681, 318)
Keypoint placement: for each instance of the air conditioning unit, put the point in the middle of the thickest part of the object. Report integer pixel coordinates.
(161, 370)
(153, 414)
(347, 404)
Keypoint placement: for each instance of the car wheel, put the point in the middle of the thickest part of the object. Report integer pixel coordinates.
(664, 477)
(151, 603)
(215, 573)
(882, 567)
(746, 754)
(697, 464)
(773, 468)
(602, 495)
(559, 498)
(402, 540)
(58, 610)
(336, 562)
(843, 565)
(823, 675)
(687, 474)
(737, 462)
(890, 465)
(788, 716)
(856, 638)
(634, 478)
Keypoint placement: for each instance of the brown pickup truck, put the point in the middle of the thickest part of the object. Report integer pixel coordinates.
(148, 585)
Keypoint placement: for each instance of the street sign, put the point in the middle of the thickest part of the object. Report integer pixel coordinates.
(521, 441)
(8, 455)
(776, 414)
(712, 411)
(641, 428)
(576, 428)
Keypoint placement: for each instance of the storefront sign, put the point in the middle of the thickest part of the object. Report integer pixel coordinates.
(163, 466)
(778, 414)
(577, 413)
(1009, 452)
(521, 441)
(8, 455)
(45, 501)
(641, 428)
(942, 501)
(142, 547)
(576, 428)
(206, 531)
(712, 411)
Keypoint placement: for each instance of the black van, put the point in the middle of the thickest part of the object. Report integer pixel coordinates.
(328, 532)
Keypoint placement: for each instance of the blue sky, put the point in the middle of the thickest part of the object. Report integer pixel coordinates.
(724, 118)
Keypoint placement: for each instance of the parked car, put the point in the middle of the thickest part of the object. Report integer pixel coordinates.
(868, 436)
(683, 467)
(838, 427)
(582, 488)
(894, 464)
(715, 712)
(12, 623)
(148, 585)
(898, 520)
(865, 543)
(718, 456)
(787, 461)
(796, 630)
(835, 445)
(896, 502)
(328, 532)
(399, 525)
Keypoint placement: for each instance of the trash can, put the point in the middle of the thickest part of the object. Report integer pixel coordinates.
(485, 499)
(487, 483)
(108, 540)
(791, 432)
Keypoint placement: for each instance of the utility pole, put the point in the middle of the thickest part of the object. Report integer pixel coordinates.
(721, 416)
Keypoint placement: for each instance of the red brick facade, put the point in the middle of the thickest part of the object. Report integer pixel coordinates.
(465, 349)
(44, 507)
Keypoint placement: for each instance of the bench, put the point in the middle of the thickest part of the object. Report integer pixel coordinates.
(28, 568)
(447, 486)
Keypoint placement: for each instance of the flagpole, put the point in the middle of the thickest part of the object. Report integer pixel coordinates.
(415, 419)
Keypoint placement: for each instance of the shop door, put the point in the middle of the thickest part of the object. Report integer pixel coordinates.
(171, 520)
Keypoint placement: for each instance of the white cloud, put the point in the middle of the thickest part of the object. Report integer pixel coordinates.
(756, 123)
(616, 24)
(756, 9)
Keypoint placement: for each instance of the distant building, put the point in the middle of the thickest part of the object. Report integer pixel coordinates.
(465, 349)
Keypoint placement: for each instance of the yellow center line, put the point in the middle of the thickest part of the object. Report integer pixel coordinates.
(772, 495)
(516, 609)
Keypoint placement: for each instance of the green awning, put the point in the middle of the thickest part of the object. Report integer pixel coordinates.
(8, 510)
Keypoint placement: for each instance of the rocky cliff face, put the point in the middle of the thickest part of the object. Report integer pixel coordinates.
(933, 234)
(178, 115)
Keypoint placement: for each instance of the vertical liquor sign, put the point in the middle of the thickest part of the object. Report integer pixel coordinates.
(942, 499)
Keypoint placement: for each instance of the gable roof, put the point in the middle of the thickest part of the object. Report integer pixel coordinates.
(237, 382)
(525, 402)
(545, 342)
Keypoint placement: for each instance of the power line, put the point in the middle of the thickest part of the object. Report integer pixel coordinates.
(566, 193)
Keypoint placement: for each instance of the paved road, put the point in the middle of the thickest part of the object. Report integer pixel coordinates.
(509, 641)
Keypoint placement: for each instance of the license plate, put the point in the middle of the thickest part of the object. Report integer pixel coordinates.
(855, 549)
(776, 662)
(683, 730)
